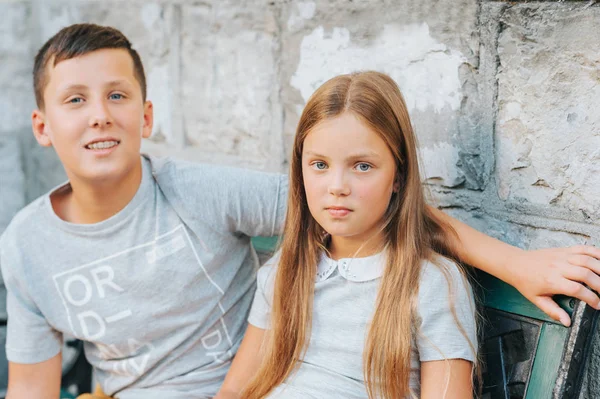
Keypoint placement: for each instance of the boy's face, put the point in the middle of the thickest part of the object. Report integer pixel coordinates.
(94, 115)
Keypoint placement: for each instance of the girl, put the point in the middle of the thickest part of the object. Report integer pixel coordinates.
(364, 299)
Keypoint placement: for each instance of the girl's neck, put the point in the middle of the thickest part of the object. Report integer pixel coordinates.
(348, 247)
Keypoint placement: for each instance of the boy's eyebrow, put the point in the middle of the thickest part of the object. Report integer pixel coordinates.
(73, 87)
(117, 82)
(79, 86)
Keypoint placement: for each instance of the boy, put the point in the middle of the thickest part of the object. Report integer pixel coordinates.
(149, 261)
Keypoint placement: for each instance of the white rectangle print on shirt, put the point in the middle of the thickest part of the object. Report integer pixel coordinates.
(97, 298)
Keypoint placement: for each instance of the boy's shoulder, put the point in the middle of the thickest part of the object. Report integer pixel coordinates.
(195, 182)
(182, 168)
(30, 218)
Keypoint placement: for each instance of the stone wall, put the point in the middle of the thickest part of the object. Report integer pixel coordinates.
(503, 95)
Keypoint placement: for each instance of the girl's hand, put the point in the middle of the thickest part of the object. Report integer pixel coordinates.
(98, 394)
(245, 364)
(542, 273)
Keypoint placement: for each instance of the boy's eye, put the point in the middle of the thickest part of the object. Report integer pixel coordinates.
(319, 165)
(363, 167)
(75, 100)
(116, 96)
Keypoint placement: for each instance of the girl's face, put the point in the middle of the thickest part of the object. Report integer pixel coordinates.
(349, 175)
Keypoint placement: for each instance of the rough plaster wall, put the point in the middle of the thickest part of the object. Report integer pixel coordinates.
(548, 133)
(503, 96)
(431, 50)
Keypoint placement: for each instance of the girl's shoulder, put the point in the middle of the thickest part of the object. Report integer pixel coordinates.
(265, 278)
(446, 314)
(442, 278)
(440, 269)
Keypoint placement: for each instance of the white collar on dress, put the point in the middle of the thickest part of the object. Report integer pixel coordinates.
(352, 269)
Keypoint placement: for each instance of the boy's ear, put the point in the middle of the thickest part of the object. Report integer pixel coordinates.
(148, 119)
(38, 124)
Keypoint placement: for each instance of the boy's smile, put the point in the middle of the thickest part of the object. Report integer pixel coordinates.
(94, 116)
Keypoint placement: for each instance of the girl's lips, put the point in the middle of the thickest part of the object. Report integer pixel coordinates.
(338, 212)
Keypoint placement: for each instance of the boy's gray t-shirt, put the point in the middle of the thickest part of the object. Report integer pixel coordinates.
(344, 303)
(159, 292)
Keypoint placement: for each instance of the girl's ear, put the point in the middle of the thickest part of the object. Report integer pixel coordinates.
(396, 186)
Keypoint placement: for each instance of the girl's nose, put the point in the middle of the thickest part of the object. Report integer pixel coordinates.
(338, 185)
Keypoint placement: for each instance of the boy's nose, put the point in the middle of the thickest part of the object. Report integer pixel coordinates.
(100, 117)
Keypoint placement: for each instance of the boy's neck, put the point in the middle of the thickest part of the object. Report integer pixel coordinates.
(88, 203)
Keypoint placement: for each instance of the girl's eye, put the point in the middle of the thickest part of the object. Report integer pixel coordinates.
(116, 96)
(320, 165)
(75, 100)
(363, 167)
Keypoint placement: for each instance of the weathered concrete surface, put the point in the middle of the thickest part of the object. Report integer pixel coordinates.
(12, 179)
(518, 234)
(229, 85)
(591, 383)
(548, 136)
(431, 50)
(16, 101)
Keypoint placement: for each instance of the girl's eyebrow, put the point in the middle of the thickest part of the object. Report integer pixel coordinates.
(352, 157)
(315, 154)
(363, 155)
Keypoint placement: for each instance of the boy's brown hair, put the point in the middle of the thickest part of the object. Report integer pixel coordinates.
(77, 40)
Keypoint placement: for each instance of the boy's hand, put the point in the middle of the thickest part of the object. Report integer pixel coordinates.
(542, 273)
(98, 394)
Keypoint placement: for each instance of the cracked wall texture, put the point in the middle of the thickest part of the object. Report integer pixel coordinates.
(503, 95)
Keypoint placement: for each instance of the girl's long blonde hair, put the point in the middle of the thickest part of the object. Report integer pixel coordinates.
(412, 234)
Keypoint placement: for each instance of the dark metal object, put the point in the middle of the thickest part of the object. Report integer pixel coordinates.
(527, 355)
(508, 348)
(77, 375)
(576, 352)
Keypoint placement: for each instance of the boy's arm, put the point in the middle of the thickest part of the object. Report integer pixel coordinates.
(536, 274)
(245, 364)
(39, 380)
(446, 379)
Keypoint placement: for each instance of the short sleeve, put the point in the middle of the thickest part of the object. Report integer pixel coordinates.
(229, 199)
(29, 338)
(443, 334)
(260, 313)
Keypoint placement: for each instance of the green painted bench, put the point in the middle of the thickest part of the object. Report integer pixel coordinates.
(66, 395)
